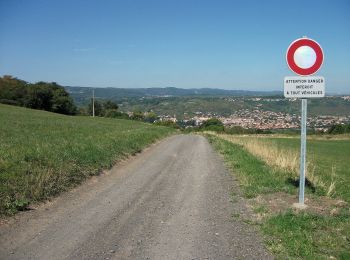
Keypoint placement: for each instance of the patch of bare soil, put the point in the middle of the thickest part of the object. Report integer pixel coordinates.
(275, 203)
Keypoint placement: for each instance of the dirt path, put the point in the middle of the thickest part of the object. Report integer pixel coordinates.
(171, 202)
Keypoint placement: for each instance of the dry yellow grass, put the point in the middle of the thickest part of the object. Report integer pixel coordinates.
(283, 159)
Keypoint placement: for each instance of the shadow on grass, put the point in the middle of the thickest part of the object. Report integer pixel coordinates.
(295, 182)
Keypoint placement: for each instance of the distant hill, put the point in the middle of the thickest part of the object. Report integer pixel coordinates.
(190, 102)
(82, 94)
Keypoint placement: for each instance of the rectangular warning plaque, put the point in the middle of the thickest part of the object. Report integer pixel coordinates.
(304, 87)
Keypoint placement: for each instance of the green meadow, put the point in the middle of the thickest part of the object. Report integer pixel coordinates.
(43, 154)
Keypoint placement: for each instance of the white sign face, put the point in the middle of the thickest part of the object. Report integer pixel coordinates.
(304, 87)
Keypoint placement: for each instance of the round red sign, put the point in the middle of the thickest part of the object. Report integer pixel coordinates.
(304, 56)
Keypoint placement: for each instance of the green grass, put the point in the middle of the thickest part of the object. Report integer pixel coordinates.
(292, 235)
(308, 236)
(43, 154)
(254, 175)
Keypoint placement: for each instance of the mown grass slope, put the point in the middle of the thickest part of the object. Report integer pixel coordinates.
(43, 154)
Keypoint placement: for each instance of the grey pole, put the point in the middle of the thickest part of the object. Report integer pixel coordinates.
(93, 103)
(302, 151)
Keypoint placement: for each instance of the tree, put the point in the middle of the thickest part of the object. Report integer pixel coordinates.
(61, 101)
(110, 105)
(111, 109)
(212, 124)
(63, 105)
(12, 90)
(41, 95)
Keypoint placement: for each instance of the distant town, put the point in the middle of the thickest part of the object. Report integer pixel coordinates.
(247, 109)
(265, 120)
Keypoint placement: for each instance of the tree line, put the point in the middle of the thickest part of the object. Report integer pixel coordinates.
(109, 108)
(54, 98)
(41, 95)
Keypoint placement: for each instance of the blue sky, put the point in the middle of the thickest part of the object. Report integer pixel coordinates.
(185, 44)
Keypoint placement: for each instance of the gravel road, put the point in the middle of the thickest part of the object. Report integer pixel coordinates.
(172, 201)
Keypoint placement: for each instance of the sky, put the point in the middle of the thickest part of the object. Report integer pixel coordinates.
(235, 44)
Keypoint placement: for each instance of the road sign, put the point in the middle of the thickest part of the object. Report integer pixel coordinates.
(304, 87)
(304, 56)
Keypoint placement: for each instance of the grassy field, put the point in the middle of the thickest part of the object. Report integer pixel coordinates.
(268, 165)
(43, 154)
(327, 160)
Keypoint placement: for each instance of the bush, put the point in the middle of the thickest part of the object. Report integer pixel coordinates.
(113, 113)
(137, 115)
(216, 128)
(211, 122)
(151, 117)
(339, 129)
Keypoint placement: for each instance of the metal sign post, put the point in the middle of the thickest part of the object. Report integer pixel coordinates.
(304, 57)
(302, 151)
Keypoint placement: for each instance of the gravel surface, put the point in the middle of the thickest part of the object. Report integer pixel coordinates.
(172, 201)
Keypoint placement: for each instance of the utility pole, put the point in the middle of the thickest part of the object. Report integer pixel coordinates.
(93, 103)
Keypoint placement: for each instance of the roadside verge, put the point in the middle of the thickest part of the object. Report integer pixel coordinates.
(320, 232)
